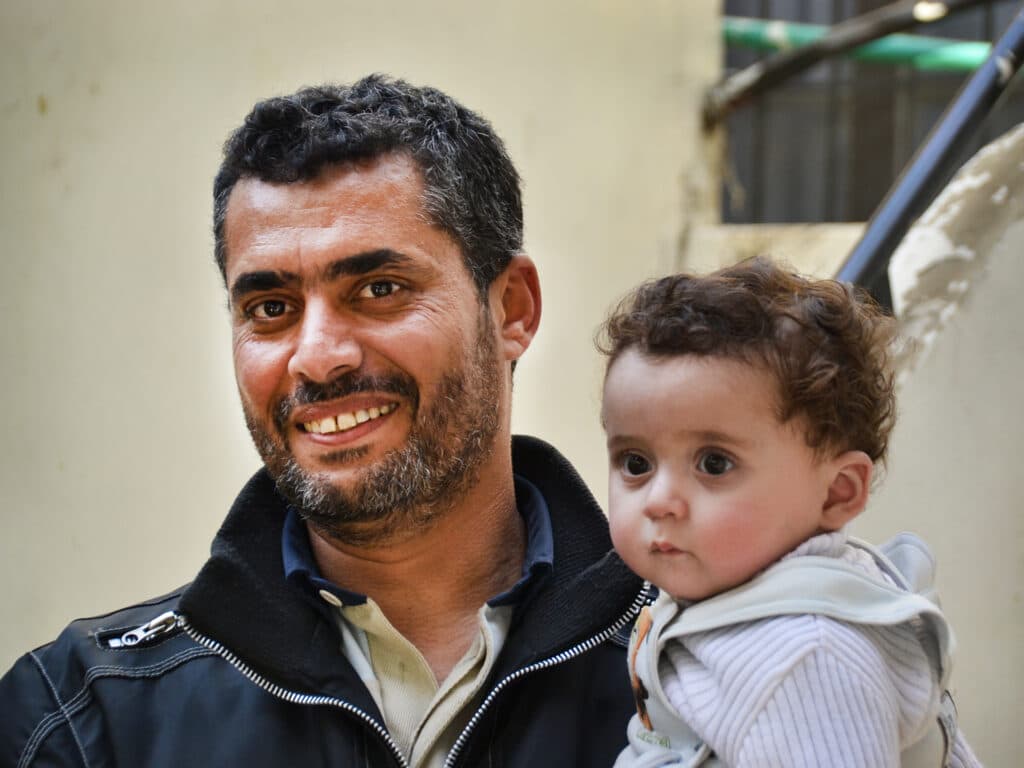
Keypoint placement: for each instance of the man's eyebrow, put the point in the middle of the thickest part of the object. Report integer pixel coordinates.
(263, 280)
(362, 263)
(357, 264)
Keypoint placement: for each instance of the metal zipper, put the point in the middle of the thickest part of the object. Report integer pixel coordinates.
(293, 697)
(290, 696)
(162, 624)
(551, 661)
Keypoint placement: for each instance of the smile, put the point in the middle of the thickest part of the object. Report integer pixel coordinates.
(346, 421)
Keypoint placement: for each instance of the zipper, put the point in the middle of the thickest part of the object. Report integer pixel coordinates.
(148, 632)
(170, 620)
(552, 661)
(292, 697)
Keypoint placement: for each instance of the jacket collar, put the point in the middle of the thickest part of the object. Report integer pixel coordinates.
(590, 587)
(241, 599)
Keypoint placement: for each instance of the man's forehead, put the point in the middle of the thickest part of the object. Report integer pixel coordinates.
(352, 183)
(353, 210)
(379, 202)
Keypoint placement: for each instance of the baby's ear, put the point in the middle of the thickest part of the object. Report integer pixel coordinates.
(848, 489)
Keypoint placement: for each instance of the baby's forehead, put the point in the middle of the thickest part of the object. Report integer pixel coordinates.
(728, 364)
(655, 375)
(640, 379)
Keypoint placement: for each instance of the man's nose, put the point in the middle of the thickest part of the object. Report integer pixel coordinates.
(666, 498)
(326, 346)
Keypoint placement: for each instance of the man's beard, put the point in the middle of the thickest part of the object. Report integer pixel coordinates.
(410, 486)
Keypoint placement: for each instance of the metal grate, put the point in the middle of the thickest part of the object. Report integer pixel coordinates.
(827, 145)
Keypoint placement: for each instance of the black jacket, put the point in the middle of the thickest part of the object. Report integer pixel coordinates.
(242, 671)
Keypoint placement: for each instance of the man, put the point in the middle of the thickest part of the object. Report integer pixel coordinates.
(403, 583)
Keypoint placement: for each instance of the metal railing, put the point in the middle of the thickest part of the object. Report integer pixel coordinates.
(932, 166)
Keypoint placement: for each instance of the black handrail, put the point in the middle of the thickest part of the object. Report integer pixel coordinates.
(933, 164)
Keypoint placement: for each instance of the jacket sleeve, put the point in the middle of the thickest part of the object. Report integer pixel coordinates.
(35, 729)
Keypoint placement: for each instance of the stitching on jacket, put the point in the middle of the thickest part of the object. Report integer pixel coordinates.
(80, 699)
(77, 701)
(60, 704)
(42, 730)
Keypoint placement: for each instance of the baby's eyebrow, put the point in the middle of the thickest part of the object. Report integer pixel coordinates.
(714, 436)
(613, 440)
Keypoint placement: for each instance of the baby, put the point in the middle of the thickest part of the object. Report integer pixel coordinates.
(745, 412)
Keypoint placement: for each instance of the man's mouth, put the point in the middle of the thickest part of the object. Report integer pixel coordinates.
(343, 422)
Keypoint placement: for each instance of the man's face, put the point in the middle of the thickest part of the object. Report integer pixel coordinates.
(366, 363)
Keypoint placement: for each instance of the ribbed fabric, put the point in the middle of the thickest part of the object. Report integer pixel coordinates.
(801, 691)
(806, 690)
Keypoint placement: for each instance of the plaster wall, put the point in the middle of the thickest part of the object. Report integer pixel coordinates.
(123, 440)
(811, 249)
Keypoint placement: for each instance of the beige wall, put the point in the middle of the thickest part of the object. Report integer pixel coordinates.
(123, 442)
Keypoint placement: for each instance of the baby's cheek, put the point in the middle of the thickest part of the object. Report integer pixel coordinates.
(619, 531)
(624, 538)
(737, 548)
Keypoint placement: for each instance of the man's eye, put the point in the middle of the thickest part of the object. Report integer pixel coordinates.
(379, 289)
(712, 463)
(634, 464)
(268, 310)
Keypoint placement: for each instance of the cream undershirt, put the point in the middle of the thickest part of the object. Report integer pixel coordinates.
(423, 716)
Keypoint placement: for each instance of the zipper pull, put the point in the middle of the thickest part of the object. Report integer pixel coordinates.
(163, 623)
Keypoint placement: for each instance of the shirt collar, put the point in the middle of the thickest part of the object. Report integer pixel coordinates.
(540, 542)
(300, 567)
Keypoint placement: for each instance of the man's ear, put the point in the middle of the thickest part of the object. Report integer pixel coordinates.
(515, 302)
(848, 489)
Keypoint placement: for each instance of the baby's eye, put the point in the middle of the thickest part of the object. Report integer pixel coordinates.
(635, 465)
(713, 463)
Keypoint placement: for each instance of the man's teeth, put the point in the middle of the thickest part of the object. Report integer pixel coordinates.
(345, 421)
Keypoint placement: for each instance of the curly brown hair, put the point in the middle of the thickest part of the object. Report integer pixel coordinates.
(826, 343)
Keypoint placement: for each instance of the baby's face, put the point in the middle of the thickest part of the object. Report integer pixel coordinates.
(706, 486)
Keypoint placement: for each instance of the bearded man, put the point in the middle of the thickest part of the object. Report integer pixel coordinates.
(403, 582)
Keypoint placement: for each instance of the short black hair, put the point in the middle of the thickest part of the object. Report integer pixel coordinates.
(471, 188)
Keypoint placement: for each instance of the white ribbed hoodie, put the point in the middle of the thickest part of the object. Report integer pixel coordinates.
(803, 690)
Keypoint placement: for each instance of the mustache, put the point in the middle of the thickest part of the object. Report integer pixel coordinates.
(351, 383)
